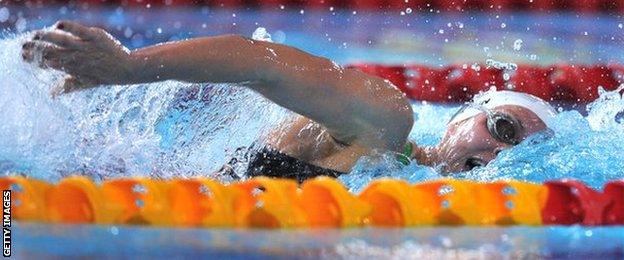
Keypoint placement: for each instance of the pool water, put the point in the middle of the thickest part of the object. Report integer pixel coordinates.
(173, 129)
(62, 241)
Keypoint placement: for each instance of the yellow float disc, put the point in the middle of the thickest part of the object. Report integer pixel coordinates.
(201, 202)
(329, 204)
(27, 197)
(268, 203)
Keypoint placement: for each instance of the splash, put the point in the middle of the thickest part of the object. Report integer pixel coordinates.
(174, 129)
(585, 148)
(160, 130)
(261, 34)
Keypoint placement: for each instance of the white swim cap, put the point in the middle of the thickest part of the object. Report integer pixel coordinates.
(493, 99)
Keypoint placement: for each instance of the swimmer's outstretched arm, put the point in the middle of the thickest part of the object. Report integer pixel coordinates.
(353, 106)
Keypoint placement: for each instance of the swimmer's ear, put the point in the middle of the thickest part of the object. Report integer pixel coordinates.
(68, 84)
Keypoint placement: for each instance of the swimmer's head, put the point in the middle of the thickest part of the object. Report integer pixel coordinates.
(494, 121)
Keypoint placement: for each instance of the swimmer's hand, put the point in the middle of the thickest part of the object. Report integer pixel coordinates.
(90, 56)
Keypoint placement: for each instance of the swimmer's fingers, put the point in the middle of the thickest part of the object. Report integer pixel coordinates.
(67, 85)
(79, 30)
(28, 51)
(44, 55)
(60, 39)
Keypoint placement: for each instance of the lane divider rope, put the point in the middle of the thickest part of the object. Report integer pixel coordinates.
(459, 83)
(321, 202)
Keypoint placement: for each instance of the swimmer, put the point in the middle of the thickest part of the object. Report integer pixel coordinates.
(343, 114)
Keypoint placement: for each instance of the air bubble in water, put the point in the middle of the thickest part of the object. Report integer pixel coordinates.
(408, 10)
(503, 25)
(261, 34)
(533, 57)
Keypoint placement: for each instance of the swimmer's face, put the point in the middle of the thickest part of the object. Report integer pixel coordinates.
(468, 143)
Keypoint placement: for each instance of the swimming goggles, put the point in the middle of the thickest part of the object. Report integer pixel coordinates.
(502, 126)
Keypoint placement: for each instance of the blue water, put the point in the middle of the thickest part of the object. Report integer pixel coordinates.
(172, 129)
(62, 241)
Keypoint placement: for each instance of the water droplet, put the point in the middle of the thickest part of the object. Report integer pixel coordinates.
(509, 190)
(20, 24)
(517, 45)
(509, 204)
(128, 32)
(261, 34)
(114, 230)
(15, 187)
(257, 191)
(445, 189)
(138, 188)
(446, 242)
(203, 189)
(4, 14)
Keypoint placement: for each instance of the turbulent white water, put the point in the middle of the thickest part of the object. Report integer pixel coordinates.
(175, 129)
(161, 129)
